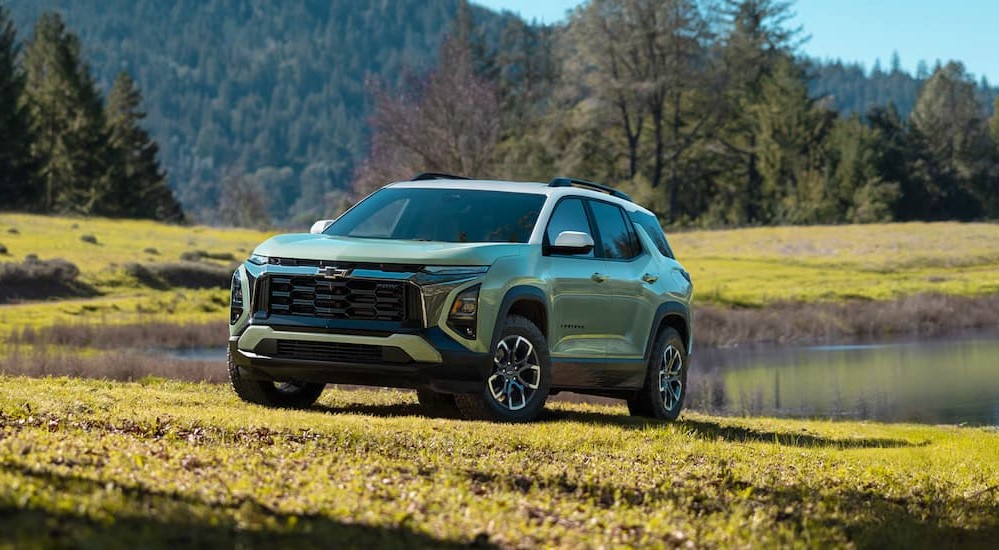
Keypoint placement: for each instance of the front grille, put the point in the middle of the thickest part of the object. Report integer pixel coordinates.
(328, 351)
(353, 299)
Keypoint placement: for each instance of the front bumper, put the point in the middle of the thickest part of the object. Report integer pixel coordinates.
(428, 359)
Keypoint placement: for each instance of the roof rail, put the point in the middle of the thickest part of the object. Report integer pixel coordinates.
(437, 176)
(573, 182)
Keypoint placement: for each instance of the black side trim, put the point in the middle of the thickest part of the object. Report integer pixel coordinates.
(597, 375)
(668, 309)
(518, 294)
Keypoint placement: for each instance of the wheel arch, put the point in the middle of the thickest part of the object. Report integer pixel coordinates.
(527, 301)
(670, 314)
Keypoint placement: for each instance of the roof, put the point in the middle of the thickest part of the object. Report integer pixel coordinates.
(518, 187)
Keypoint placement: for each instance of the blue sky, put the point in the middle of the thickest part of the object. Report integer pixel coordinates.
(866, 30)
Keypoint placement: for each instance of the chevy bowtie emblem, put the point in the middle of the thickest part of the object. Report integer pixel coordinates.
(330, 272)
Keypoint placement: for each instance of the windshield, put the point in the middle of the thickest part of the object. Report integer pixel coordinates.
(446, 215)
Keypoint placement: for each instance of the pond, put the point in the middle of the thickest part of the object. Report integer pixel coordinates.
(940, 381)
(944, 381)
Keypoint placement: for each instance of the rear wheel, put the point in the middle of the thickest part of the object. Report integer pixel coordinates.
(518, 385)
(666, 380)
(292, 395)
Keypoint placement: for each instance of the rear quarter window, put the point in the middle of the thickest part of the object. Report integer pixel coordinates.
(651, 226)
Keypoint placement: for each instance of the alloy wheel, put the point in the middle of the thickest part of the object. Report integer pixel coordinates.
(516, 374)
(670, 377)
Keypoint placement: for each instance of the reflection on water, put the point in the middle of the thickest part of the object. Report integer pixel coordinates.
(939, 381)
(196, 354)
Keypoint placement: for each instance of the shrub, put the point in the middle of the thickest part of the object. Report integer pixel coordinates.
(180, 274)
(88, 239)
(199, 255)
(3, 250)
(151, 251)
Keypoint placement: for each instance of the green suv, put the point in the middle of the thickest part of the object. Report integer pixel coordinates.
(484, 296)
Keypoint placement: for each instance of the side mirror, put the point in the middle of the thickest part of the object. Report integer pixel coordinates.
(572, 242)
(320, 226)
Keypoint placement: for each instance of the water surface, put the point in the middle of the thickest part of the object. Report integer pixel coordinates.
(948, 381)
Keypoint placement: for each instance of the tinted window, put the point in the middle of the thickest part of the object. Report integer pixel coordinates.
(446, 215)
(617, 241)
(569, 215)
(651, 226)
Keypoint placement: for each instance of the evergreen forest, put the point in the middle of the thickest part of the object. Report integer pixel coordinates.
(248, 112)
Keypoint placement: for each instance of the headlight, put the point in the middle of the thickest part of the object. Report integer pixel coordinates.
(464, 312)
(257, 259)
(235, 299)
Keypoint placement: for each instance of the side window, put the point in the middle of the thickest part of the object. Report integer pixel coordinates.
(569, 215)
(651, 226)
(617, 240)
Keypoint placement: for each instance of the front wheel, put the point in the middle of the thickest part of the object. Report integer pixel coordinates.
(666, 380)
(290, 395)
(520, 379)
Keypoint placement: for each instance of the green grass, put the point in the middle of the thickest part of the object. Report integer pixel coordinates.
(833, 263)
(159, 463)
(122, 299)
(741, 267)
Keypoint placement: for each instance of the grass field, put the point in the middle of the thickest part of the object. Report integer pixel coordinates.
(758, 266)
(740, 268)
(122, 299)
(105, 464)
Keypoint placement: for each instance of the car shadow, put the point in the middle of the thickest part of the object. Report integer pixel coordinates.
(384, 411)
(702, 429)
(714, 431)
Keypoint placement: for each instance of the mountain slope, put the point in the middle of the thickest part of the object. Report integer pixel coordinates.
(272, 88)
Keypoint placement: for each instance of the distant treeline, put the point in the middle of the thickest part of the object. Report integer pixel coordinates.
(703, 114)
(270, 110)
(63, 149)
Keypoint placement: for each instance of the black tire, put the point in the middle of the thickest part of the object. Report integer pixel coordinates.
(436, 403)
(669, 351)
(513, 405)
(289, 395)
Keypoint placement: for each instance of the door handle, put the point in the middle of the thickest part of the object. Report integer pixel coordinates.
(599, 277)
(650, 278)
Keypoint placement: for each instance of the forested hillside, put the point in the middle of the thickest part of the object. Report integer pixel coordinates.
(266, 109)
(851, 88)
(270, 92)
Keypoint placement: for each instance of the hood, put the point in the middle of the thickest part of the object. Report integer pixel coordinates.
(306, 246)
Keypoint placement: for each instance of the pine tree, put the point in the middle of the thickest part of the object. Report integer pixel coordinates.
(758, 40)
(139, 187)
(17, 189)
(67, 112)
(952, 136)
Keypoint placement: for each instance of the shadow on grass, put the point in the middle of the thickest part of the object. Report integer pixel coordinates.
(394, 409)
(178, 520)
(714, 430)
(703, 429)
(740, 434)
